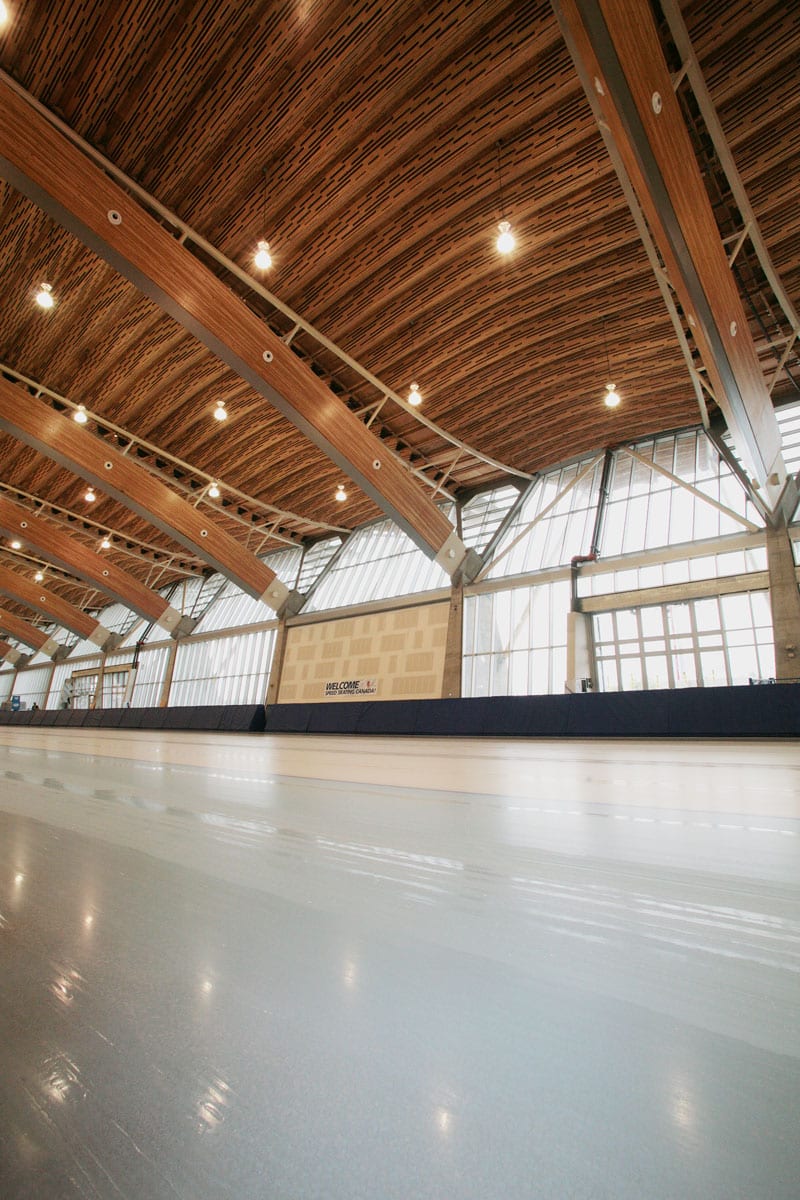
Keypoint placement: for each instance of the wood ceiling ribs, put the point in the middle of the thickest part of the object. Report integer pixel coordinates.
(377, 125)
(110, 471)
(46, 166)
(617, 51)
(72, 556)
(49, 604)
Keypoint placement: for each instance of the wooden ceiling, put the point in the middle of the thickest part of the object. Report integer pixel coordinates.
(375, 146)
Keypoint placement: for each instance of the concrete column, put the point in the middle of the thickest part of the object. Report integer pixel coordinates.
(785, 601)
(451, 675)
(276, 670)
(580, 651)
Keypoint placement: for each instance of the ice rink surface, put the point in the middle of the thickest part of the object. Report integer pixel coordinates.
(285, 968)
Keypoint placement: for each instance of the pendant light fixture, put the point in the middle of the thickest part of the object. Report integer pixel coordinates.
(263, 258)
(612, 396)
(220, 412)
(39, 577)
(90, 495)
(414, 396)
(16, 544)
(505, 241)
(341, 494)
(105, 544)
(4, 14)
(80, 414)
(213, 491)
(44, 297)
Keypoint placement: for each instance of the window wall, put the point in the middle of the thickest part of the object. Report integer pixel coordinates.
(555, 522)
(515, 641)
(710, 642)
(655, 534)
(229, 670)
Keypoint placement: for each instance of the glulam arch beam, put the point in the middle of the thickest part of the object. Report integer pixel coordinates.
(617, 51)
(56, 608)
(56, 545)
(106, 468)
(38, 160)
(29, 635)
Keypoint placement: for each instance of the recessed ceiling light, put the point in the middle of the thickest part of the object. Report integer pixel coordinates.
(505, 239)
(80, 414)
(220, 412)
(263, 258)
(341, 494)
(89, 495)
(44, 296)
(414, 397)
(611, 398)
(213, 491)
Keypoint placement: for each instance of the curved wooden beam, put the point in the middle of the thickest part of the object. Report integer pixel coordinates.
(617, 51)
(31, 636)
(44, 165)
(51, 605)
(9, 654)
(54, 544)
(72, 446)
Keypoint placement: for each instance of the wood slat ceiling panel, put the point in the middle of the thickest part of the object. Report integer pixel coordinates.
(362, 140)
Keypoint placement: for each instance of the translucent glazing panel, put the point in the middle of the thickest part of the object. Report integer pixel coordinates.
(515, 641)
(481, 517)
(56, 697)
(31, 686)
(150, 675)
(225, 670)
(378, 562)
(560, 531)
(315, 560)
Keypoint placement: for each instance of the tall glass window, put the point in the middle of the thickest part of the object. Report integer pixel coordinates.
(563, 505)
(379, 561)
(713, 642)
(515, 641)
(226, 670)
(646, 509)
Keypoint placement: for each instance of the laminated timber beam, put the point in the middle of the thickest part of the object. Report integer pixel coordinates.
(616, 48)
(31, 636)
(51, 605)
(9, 654)
(132, 485)
(45, 166)
(66, 552)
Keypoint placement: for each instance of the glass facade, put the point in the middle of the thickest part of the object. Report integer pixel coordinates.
(229, 670)
(563, 505)
(711, 642)
(515, 627)
(515, 642)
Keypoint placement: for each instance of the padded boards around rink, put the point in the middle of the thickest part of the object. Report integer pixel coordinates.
(763, 711)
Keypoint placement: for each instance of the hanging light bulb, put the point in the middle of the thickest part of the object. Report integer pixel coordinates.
(89, 495)
(220, 412)
(341, 494)
(213, 491)
(414, 396)
(263, 258)
(105, 544)
(80, 414)
(16, 544)
(611, 398)
(45, 297)
(505, 239)
(39, 577)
